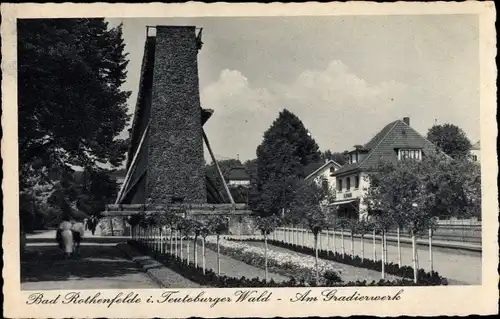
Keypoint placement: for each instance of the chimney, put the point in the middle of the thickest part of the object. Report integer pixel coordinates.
(406, 120)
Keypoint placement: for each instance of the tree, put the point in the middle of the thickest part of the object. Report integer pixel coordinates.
(286, 149)
(95, 189)
(71, 106)
(354, 226)
(197, 226)
(342, 223)
(451, 139)
(364, 226)
(266, 226)
(307, 204)
(219, 225)
(413, 193)
(204, 232)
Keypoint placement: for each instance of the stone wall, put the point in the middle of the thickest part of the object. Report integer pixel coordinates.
(175, 157)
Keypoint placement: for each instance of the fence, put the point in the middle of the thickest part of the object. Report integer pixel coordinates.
(463, 232)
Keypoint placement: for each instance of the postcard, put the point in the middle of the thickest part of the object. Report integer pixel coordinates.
(249, 160)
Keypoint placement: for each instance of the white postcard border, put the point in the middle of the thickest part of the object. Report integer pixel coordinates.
(424, 301)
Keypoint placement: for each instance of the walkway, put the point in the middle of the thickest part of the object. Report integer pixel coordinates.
(100, 266)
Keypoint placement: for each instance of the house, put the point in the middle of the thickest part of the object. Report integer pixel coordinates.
(396, 141)
(322, 173)
(238, 176)
(476, 152)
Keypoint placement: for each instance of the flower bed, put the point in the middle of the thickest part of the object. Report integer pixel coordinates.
(286, 264)
(423, 278)
(211, 279)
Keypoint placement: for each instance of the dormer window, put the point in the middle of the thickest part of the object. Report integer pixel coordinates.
(353, 158)
(415, 154)
(332, 170)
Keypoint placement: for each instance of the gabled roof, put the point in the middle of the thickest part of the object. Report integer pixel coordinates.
(394, 135)
(312, 170)
(238, 173)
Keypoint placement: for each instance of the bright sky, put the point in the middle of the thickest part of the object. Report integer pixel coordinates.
(345, 77)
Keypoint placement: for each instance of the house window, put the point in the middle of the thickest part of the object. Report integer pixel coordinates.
(324, 184)
(332, 170)
(356, 181)
(348, 184)
(339, 184)
(474, 158)
(354, 158)
(410, 154)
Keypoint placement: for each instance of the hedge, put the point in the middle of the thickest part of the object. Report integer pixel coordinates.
(423, 278)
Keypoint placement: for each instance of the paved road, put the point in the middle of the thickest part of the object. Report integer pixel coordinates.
(458, 266)
(99, 266)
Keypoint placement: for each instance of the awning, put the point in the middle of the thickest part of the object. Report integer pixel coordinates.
(342, 202)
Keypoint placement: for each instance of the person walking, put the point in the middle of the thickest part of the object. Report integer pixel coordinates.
(78, 230)
(65, 236)
(93, 224)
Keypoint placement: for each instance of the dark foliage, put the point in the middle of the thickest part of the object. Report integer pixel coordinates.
(287, 148)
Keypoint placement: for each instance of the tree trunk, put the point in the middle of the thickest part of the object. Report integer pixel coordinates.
(327, 243)
(171, 241)
(342, 239)
(195, 248)
(162, 243)
(316, 257)
(431, 263)
(187, 250)
(176, 244)
(383, 255)
(399, 249)
(218, 256)
(385, 247)
(352, 244)
(334, 241)
(414, 255)
(181, 249)
(320, 240)
(203, 254)
(265, 256)
(362, 247)
(296, 236)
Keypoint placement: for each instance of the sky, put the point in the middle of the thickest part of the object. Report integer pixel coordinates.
(345, 77)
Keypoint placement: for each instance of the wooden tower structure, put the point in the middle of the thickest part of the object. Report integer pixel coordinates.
(165, 165)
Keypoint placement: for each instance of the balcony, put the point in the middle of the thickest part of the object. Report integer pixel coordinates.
(345, 194)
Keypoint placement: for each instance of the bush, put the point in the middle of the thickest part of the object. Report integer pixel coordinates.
(406, 272)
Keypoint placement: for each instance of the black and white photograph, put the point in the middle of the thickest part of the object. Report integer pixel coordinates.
(311, 151)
